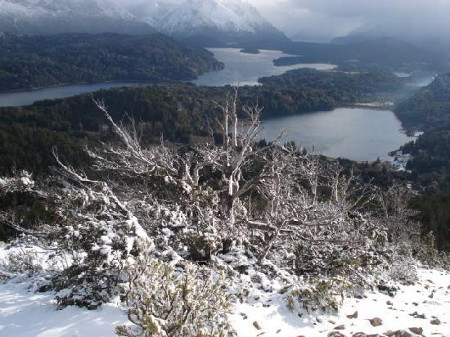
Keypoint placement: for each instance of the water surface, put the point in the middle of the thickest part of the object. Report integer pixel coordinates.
(245, 69)
(352, 133)
(19, 98)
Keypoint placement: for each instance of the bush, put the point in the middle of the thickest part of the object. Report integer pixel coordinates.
(171, 302)
(324, 295)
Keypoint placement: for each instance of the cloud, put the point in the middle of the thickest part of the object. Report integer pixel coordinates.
(325, 19)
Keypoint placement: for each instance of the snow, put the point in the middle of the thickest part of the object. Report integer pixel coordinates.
(24, 313)
(273, 317)
(224, 15)
(172, 16)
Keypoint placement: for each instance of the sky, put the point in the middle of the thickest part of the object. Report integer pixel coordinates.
(321, 20)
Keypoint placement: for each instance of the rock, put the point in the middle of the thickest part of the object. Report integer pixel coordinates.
(244, 316)
(340, 327)
(376, 321)
(385, 289)
(256, 325)
(335, 334)
(398, 333)
(266, 305)
(416, 315)
(435, 321)
(331, 321)
(389, 303)
(353, 316)
(417, 331)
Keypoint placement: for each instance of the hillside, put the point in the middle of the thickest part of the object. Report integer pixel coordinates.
(32, 62)
(386, 53)
(429, 110)
(428, 107)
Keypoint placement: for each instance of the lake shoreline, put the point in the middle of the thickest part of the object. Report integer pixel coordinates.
(62, 85)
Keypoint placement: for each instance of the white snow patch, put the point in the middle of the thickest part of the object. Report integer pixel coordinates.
(27, 314)
(274, 318)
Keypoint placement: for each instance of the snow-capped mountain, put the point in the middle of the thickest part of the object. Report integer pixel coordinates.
(62, 16)
(220, 20)
(205, 22)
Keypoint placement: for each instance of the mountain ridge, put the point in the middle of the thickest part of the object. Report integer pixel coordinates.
(221, 22)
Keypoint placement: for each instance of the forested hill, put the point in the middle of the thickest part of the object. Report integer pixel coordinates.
(42, 61)
(429, 110)
(428, 107)
(344, 87)
(381, 53)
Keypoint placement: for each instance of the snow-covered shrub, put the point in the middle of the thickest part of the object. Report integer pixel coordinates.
(99, 234)
(21, 181)
(318, 294)
(99, 250)
(23, 261)
(175, 302)
(428, 254)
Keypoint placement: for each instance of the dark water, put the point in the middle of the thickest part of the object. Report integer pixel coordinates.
(356, 134)
(245, 69)
(20, 98)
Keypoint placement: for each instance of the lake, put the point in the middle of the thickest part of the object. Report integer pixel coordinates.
(357, 134)
(20, 98)
(245, 69)
(353, 133)
(240, 68)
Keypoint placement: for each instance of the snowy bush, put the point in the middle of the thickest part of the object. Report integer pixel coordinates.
(175, 302)
(23, 261)
(319, 294)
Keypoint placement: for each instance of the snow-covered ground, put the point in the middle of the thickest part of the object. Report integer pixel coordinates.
(412, 307)
(25, 313)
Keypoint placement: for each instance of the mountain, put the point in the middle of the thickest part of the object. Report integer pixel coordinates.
(211, 21)
(43, 17)
(199, 22)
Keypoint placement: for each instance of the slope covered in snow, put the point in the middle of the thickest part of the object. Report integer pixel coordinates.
(231, 20)
(421, 308)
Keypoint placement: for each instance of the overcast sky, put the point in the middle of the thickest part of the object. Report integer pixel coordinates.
(325, 19)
